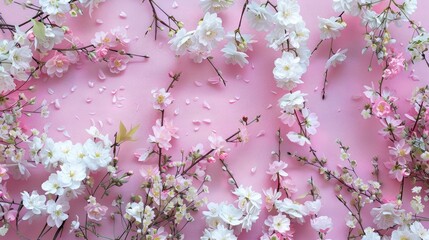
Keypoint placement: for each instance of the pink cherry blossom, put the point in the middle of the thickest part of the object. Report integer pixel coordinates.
(168, 124)
(395, 65)
(103, 38)
(149, 172)
(400, 150)
(397, 170)
(101, 52)
(118, 63)
(217, 143)
(161, 136)
(95, 210)
(381, 108)
(277, 168)
(57, 65)
(161, 99)
(120, 35)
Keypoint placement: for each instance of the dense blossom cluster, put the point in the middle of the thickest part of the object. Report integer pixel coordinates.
(173, 188)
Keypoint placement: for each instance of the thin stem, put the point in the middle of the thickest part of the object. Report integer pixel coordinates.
(209, 59)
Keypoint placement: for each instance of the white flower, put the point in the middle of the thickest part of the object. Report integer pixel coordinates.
(74, 225)
(294, 210)
(371, 18)
(338, 57)
(310, 121)
(71, 175)
(91, 4)
(349, 6)
(97, 155)
(271, 197)
(258, 16)
(277, 38)
(181, 42)
(52, 36)
(234, 56)
(35, 203)
(220, 233)
(52, 185)
(4, 229)
(56, 211)
(247, 197)
(288, 12)
(292, 101)
(215, 5)
(135, 210)
(20, 57)
(387, 215)
(53, 7)
(313, 207)
(410, 6)
(330, 27)
(279, 223)
(298, 35)
(403, 234)
(418, 229)
(418, 45)
(6, 81)
(370, 234)
(210, 30)
(298, 138)
(230, 214)
(288, 70)
(5, 47)
(322, 224)
(212, 215)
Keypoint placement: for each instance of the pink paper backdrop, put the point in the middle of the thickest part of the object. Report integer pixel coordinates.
(339, 114)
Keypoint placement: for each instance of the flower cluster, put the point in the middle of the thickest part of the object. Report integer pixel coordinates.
(200, 42)
(221, 218)
(70, 164)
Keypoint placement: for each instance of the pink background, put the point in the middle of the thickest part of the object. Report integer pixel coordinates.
(339, 114)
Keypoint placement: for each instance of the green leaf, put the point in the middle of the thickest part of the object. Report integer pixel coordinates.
(38, 30)
(125, 135)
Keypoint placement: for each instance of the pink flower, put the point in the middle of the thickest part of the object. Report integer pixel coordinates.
(149, 172)
(322, 224)
(395, 65)
(105, 39)
(57, 65)
(95, 210)
(101, 52)
(391, 125)
(217, 143)
(397, 170)
(400, 151)
(277, 167)
(161, 136)
(161, 99)
(381, 108)
(117, 63)
(168, 124)
(120, 35)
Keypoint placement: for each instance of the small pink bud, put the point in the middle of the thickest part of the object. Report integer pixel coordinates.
(223, 156)
(211, 160)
